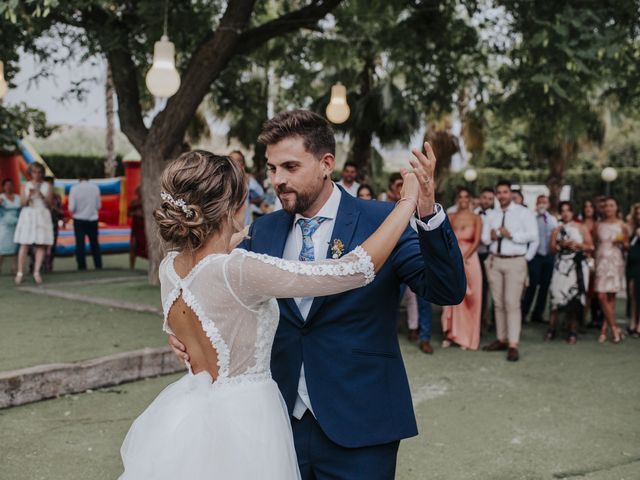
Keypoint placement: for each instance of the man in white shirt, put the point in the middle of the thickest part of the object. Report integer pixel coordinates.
(508, 232)
(84, 204)
(541, 263)
(348, 181)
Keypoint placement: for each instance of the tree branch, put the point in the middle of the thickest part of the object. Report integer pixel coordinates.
(125, 82)
(205, 65)
(305, 17)
(215, 53)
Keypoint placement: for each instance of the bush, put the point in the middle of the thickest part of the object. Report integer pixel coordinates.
(68, 166)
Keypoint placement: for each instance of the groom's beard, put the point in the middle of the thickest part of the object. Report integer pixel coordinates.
(301, 201)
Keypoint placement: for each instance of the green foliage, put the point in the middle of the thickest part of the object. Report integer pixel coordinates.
(19, 120)
(564, 64)
(68, 166)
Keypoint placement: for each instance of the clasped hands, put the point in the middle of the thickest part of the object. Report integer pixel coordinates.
(502, 232)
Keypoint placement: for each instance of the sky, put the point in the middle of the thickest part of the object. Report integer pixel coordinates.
(46, 93)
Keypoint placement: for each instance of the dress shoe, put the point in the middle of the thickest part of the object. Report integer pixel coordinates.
(496, 346)
(426, 347)
(413, 335)
(512, 354)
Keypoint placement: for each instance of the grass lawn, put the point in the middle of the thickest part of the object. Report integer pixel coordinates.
(561, 412)
(39, 329)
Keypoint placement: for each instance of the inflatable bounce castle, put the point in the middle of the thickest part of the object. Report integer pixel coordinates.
(116, 194)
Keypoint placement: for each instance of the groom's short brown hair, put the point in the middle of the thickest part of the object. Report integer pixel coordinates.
(314, 130)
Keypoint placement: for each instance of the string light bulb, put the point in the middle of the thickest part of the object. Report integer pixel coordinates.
(338, 109)
(163, 80)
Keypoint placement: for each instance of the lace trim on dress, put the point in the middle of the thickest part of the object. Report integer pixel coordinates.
(212, 333)
(363, 265)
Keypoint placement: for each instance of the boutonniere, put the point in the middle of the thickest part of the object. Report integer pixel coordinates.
(337, 249)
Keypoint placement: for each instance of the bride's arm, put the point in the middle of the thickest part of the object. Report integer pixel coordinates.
(254, 278)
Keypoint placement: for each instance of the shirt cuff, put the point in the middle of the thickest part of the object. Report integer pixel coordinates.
(433, 221)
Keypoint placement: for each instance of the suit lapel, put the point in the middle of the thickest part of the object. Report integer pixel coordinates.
(343, 229)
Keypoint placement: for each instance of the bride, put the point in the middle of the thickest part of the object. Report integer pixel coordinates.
(226, 418)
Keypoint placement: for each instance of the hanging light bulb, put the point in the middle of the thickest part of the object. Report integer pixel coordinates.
(338, 110)
(470, 175)
(163, 79)
(3, 83)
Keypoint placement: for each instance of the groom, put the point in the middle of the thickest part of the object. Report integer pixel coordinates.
(337, 359)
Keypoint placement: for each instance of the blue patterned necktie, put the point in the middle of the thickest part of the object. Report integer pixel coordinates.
(309, 227)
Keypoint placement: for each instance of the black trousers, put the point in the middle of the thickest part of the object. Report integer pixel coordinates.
(82, 229)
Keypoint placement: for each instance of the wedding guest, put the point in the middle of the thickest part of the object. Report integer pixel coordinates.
(138, 242)
(612, 238)
(487, 200)
(419, 311)
(84, 204)
(517, 197)
(393, 190)
(366, 192)
(461, 323)
(570, 242)
(633, 271)
(9, 212)
(57, 215)
(256, 192)
(508, 230)
(34, 224)
(589, 218)
(541, 264)
(348, 180)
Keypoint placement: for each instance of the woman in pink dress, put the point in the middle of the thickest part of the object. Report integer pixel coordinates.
(612, 239)
(461, 323)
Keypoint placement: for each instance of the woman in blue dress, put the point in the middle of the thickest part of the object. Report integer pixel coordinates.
(9, 212)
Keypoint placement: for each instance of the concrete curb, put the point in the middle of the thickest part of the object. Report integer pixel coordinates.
(105, 302)
(27, 385)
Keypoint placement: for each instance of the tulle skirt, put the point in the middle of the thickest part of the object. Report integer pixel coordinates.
(196, 430)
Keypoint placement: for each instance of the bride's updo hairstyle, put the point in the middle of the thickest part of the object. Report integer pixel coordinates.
(201, 192)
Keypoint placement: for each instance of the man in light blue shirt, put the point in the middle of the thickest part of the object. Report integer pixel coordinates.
(541, 263)
(84, 204)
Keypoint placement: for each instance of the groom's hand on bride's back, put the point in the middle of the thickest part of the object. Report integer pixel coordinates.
(178, 348)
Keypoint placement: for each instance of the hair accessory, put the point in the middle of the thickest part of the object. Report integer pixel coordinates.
(181, 204)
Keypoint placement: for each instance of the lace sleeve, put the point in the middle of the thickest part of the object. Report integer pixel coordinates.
(254, 278)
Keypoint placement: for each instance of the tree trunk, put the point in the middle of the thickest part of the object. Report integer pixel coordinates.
(361, 153)
(110, 164)
(559, 158)
(361, 148)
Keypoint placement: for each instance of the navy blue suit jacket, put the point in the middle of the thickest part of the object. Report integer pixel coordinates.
(349, 344)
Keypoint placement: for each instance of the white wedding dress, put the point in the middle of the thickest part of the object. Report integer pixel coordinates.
(236, 427)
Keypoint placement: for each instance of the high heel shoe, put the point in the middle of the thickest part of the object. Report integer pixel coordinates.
(617, 335)
(603, 336)
(18, 278)
(37, 278)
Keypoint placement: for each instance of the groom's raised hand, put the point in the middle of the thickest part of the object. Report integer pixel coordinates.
(424, 167)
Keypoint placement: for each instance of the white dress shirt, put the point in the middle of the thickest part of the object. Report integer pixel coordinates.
(84, 201)
(352, 190)
(321, 240)
(482, 248)
(521, 223)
